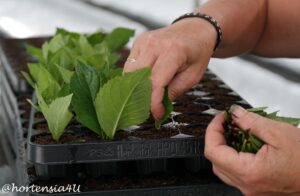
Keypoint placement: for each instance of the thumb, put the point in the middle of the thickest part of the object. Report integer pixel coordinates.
(263, 128)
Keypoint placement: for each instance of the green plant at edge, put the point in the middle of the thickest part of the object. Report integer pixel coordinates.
(244, 140)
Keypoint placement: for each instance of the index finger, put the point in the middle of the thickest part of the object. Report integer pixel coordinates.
(163, 71)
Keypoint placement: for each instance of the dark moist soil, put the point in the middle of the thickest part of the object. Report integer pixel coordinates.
(195, 129)
(218, 91)
(211, 84)
(189, 107)
(150, 122)
(25, 109)
(136, 181)
(41, 125)
(39, 115)
(25, 115)
(123, 57)
(206, 102)
(25, 125)
(226, 98)
(226, 106)
(85, 136)
(221, 107)
(208, 76)
(192, 118)
(15, 51)
(186, 99)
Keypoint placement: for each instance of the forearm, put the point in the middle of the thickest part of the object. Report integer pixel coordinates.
(281, 37)
(242, 23)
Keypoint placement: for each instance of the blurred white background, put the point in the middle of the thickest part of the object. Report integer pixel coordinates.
(260, 85)
(262, 82)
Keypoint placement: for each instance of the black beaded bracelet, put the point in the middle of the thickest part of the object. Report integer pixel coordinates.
(208, 18)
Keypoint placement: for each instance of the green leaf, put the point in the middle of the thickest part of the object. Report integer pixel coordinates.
(35, 52)
(116, 72)
(95, 38)
(100, 59)
(34, 70)
(45, 51)
(273, 116)
(64, 91)
(56, 113)
(118, 38)
(245, 141)
(67, 35)
(113, 59)
(62, 57)
(28, 78)
(65, 74)
(52, 46)
(124, 101)
(257, 143)
(46, 84)
(259, 109)
(293, 121)
(168, 109)
(85, 47)
(56, 43)
(85, 85)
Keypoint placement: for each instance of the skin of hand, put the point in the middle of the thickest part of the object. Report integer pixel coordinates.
(178, 55)
(273, 170)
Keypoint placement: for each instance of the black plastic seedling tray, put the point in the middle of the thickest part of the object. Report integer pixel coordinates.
(113, 150)
(81, 154)
(177, 183)
(11, 125)
(196, 190)
(15, 111)
(195, 110)
(9, 111)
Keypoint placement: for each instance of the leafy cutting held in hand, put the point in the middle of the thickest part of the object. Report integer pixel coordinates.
(243, 140)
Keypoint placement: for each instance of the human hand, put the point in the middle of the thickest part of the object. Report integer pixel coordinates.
(273, 170)
(178, 55)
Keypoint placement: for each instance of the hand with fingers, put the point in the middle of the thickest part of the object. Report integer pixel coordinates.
(178, 54)
(274, 170)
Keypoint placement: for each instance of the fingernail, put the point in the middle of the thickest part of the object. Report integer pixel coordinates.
(237, 111)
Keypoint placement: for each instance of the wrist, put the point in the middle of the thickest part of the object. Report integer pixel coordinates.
(207, 22)
(200, 31)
